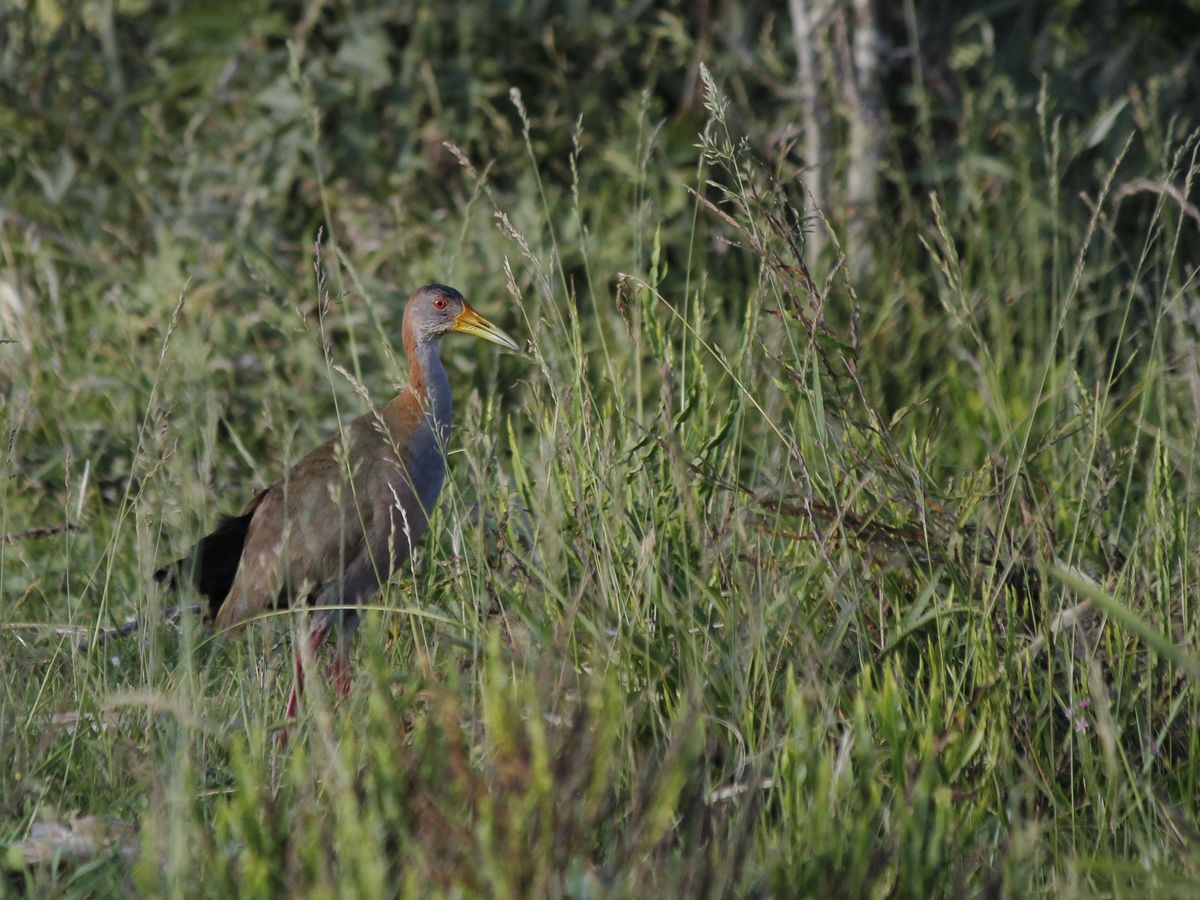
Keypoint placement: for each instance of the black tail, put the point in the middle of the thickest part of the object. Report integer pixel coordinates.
(210, 567)
(213, 562)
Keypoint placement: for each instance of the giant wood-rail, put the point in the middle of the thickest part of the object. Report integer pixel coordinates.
(344, 518)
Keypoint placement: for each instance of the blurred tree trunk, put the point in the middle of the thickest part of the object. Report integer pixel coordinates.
(866, 137)
(838, 49)
(806, 19)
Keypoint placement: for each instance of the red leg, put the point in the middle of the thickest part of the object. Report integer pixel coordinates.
(341, 667)
(316, 635)
(341, 678)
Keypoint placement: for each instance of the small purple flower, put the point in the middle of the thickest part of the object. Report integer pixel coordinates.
(1075, 715)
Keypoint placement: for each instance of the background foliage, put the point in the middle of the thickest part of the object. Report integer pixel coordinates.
(837, 552)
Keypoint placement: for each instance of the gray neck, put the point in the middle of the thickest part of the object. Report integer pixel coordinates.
(428, 379)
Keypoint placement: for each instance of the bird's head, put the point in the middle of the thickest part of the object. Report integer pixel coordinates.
(438, 309)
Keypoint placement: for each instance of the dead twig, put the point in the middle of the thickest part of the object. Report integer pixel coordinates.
(41, 531)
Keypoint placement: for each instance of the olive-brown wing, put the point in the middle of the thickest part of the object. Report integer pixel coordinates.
(304, 532)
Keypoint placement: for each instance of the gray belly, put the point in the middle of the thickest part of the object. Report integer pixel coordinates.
(408, 501)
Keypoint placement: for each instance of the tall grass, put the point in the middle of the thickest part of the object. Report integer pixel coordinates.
(751, 577)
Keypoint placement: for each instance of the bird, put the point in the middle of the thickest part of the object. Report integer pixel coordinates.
(335, 527)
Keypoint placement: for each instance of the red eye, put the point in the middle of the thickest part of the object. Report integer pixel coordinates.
(439, 302)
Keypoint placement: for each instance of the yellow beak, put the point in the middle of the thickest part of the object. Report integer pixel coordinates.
(471, 322)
